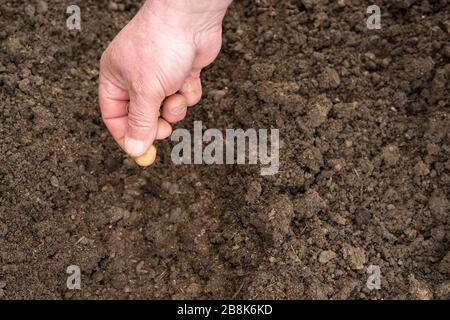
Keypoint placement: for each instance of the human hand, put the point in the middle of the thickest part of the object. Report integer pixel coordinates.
(157, 59)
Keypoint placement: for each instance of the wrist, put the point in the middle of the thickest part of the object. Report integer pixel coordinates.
(188, 15)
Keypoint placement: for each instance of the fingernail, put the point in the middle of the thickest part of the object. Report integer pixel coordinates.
(134, 147)
(177, 110)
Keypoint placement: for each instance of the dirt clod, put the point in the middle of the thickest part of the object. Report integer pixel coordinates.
(309, 204)
(355, 256)
(326, 256)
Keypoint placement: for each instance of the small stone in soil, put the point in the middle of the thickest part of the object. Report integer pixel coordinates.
(326, 256)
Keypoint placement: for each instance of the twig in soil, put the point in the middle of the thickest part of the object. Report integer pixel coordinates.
(238, 291)
(303, 230)
(161, 276)
(296, 255)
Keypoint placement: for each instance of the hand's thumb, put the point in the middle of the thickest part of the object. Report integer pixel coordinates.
(142, 124)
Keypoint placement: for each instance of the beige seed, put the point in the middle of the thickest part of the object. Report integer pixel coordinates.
(147, 158)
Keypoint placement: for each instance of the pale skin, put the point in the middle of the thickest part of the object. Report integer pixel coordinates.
(150, 73)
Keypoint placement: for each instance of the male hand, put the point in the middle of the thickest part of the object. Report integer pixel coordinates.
(156, 60)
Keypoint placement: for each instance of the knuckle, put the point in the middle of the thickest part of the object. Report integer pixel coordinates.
(138, 86)
(165, 83)
(139, 123)
(148, 89)
(140, 119)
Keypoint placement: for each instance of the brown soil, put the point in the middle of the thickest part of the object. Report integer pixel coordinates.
(364, 178)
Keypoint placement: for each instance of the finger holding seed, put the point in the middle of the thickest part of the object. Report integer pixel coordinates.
(149, 157)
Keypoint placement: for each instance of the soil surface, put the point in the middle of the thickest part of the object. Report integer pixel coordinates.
(364, 176)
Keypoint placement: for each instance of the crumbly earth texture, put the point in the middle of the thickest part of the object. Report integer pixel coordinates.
(364, 174)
